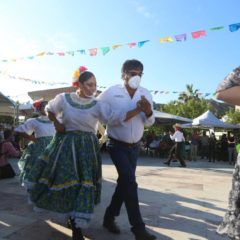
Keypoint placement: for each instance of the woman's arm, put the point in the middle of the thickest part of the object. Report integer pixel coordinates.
(230, 95)
(59, 126)
(27, 136)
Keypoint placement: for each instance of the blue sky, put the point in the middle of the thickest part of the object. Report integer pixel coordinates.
(30, 27)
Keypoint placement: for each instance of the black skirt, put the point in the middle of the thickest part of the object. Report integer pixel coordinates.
(7, 171)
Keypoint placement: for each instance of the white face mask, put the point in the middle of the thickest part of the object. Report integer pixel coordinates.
(134, 82)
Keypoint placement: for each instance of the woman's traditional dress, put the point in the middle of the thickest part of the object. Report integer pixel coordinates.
(68, 177)
(43, 129)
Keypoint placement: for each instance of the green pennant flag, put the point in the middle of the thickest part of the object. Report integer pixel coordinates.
(216, 28)
(105, 50)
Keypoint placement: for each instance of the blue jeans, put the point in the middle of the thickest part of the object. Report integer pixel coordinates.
(125, 160)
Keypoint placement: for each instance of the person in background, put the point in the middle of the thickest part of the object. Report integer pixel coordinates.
(212, 148)
(179, 139)
(39, 131)
(194, 145)
(123, 146)
(1, 133)
(229, 91)
(204, 140)
(231, 149)
(224, 148)
(7, 150)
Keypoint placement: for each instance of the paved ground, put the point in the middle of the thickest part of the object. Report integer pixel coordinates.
(176, 203)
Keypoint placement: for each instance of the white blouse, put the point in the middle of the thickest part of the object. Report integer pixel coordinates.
(40, 126)
(83, 113)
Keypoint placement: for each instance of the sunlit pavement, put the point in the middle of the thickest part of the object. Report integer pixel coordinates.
(176, 203)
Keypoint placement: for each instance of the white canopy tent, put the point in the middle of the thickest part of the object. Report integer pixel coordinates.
(209, 120)
(167, 118)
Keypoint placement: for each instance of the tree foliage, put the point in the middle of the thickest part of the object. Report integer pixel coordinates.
(189, 94)
(233, 116)
(191, 109)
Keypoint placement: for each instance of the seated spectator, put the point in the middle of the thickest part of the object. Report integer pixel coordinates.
(7, 150)
(1, 133)
(154, 145)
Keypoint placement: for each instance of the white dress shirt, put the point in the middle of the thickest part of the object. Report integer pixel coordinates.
(177, 136)
(118, 97)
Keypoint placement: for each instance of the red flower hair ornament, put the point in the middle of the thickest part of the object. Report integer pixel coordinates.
(76, 75)
(38, 104)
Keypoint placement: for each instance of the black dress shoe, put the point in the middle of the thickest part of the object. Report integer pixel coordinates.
(77, 234)
(143, 235)
(111, 226)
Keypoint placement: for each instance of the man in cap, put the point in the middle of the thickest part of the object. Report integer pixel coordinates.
(179, 139)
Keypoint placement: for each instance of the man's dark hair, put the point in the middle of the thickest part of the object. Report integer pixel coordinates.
(131, 64)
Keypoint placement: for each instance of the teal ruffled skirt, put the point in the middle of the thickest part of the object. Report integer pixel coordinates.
(30, 156)
(67, 179)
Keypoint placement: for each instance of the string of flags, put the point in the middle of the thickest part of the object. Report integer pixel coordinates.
(154, 92)
(31, 80)
(105, 50)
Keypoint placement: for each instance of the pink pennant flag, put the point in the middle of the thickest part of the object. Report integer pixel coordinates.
(166, 39)
(132, 45)
(198, 34)
(93, 51)
(61, 54)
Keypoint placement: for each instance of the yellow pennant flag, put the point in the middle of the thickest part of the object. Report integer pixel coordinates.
(116, 46)
(40, 54)
(166, 39)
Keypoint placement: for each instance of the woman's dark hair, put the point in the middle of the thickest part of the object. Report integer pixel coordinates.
(85, 76)
(132, 64)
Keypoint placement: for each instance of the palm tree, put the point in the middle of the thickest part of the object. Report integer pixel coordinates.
(188, 94)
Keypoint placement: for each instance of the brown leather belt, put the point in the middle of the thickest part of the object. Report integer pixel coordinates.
(124, 143)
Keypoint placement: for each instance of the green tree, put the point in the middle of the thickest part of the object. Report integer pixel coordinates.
(191, 109)
(233, 116)
(189, 94)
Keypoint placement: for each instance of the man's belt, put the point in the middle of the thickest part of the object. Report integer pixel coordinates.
(124, 143)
